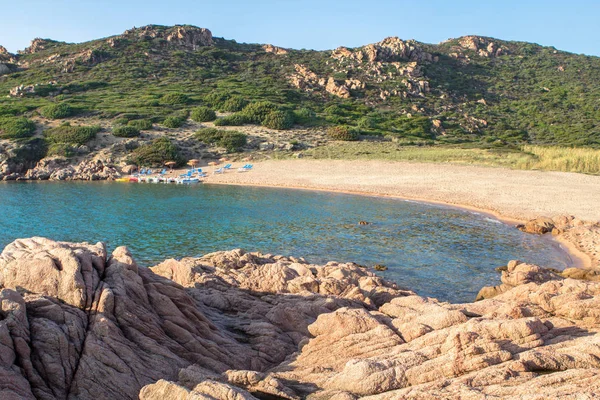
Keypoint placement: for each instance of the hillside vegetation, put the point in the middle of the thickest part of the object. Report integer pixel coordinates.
(470, 92)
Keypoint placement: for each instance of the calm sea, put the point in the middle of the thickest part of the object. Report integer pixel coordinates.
(436, 251)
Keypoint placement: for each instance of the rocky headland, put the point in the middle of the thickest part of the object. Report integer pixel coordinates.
(79, 323)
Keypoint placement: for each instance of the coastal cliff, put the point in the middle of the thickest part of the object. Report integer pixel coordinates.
(79, 323)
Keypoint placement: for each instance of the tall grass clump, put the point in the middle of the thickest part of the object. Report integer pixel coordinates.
(583, 160)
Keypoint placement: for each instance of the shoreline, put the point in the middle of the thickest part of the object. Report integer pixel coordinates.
(508, 196)
(578, 258)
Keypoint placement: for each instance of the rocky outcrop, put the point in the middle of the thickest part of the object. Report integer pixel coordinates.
(538, 225)
(336, 89)
(485, 47)
(37, 45)
(6, 61)
(269, 48)
(388, 50)
(307, 80)
(30, 90)
(77, 323)
(183, 36)
(60, 169)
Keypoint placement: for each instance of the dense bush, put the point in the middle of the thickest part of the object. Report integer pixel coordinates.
(209, 135)
(30, 152)
(75, 135)
(141, 124)
(215, 99)
(366, 123)
(57, 111)
(278, 120)
(237, 119)
(203, 114)
(175, 99)
(173, 122)
(232, 140)
(121, 121)
(126, 131)
(234, 104)
(342, 133)
(61, 149)
(304, 116)
(156, 153)
(16, 128)
(256, 112)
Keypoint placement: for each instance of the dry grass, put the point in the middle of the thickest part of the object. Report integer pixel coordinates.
(564, 159)
(529, 157)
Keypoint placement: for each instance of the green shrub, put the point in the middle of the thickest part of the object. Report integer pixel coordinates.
(175, 99)
(233, 141)
(366, 123)
(30, 152)
(203, 114)
(342, 132)
(126, 131)
(57, 111)
(16, 128)
(141, 124)
(257, 111)
(121, 121)
(278, 120)
(208, 135)
(75, 135)
(304, 115)
(237, 119)
(61, 149)
(156, 153)
(234, 104)
(334, 109)
(215, 99)
(173, 122)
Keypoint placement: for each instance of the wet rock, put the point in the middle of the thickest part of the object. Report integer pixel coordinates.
(538, 225)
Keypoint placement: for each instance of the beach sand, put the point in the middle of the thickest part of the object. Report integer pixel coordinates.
(511, 195)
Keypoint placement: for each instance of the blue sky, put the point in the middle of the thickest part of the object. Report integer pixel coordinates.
(568, 25)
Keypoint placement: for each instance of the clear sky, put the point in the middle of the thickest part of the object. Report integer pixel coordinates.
(316, 24)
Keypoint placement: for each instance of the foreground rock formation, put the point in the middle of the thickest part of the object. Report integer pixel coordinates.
(77, 323)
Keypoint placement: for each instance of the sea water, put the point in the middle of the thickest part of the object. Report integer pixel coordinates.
(434, 250)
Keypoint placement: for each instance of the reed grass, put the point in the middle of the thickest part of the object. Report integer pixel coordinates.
(583, 160)
(529, 157)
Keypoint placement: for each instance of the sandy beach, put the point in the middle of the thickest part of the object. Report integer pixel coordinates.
(512, 195)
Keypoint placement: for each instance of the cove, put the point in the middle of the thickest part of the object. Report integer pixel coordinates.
(433, 250)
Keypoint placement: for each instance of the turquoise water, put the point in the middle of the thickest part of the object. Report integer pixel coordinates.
(436, 251)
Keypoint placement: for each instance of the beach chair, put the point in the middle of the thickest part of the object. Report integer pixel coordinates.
(245, 168)
(227, 167)
(164, 171)
(219, 170)
(200, 173)
(142, 171)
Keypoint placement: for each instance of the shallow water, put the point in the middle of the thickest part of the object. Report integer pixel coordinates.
(436, 251)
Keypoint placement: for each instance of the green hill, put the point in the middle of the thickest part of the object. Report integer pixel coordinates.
(472, 90)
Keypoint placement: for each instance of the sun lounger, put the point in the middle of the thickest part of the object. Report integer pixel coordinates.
(245, 168)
